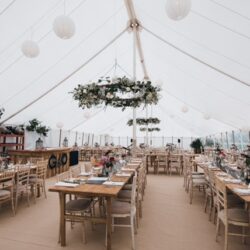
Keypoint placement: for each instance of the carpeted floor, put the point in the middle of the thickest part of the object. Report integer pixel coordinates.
(169, 223)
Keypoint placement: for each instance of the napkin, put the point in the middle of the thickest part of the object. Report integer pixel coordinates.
(84, 174)
(123, 175)
(113, 183)
(228, 180)
(128, 169)
(242, 191)
(66, 184)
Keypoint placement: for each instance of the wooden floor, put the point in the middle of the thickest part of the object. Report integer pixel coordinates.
(169, 223)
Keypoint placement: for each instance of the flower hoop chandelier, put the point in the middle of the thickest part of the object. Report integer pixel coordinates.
(144, 121)
(121, 93)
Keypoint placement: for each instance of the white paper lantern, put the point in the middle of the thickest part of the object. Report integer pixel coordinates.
(64, 27)
(30, 49)
(59, 125)
(206, 116)
(178, 9)
(245, 128)
(87, 115)
(184, 109)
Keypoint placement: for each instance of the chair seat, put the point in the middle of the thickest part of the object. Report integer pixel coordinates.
(119, 207)
(199, 181)
(4, 194)
(35, 180)
(124, 194)
(235, 215)
(127, 187)
(77, 205)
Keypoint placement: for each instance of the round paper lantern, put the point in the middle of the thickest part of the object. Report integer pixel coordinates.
(87, 115)
(59, 125)
(64, 27)
(30, 49)
(206, 116)
(178, 9)
(184, 109)
(245, 129)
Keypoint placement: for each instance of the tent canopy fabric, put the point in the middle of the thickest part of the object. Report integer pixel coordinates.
(215, 31)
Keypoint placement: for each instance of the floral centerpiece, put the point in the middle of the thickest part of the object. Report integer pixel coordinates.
(121, 93)
(144, 121)
(150, 129)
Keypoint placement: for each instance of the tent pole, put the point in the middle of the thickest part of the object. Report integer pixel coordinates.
(134, 78)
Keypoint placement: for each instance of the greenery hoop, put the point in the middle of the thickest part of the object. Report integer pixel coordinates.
(112, 93)
(144, 121)
(150, 129)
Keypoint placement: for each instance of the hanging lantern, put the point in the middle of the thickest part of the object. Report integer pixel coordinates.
(64, 27)
(87, 115)
(65, 142)
(30, 49)
(39, 144)
(178, 9)
(59, 125)
(184, 109)
(206, 116)
(245, 129)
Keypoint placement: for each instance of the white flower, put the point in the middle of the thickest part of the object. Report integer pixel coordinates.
(127, 89)
(109, 95)
(149, 96)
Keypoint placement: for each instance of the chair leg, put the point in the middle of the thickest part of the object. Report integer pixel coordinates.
(244, 233)
(44, 190)
(217, 229)
(113, 224)
(84, 238)
(205, 205)
(135, 224)
(191, 194)
(132, 232)
(226, 237)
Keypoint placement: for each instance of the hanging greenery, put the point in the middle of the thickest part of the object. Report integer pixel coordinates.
(1, 112)
(35, 126)
(150, 129)
(121, 93)
(144, 121)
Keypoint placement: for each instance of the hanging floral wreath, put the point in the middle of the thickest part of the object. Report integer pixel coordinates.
(120, 93)
(144, 121)
(150, 129)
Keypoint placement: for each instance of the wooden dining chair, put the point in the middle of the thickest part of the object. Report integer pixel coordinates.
(76, 207)
(230, 216)
(38, 178)
(121, 209)
(7, 180)
(161, 162)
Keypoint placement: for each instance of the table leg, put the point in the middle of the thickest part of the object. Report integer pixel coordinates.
(62, 219)
(109, 223)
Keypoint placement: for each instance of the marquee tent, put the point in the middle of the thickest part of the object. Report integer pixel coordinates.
(214, 88)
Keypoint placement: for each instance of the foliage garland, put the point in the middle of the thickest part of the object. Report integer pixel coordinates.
(150, 129)
(144, 121)
(109, 94)
(35, 126)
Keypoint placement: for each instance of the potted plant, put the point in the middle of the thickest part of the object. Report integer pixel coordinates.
(197, 145)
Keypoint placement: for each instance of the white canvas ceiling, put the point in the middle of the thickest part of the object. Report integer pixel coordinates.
(211, 32)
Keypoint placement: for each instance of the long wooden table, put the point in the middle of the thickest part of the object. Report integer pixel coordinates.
(89, 190)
